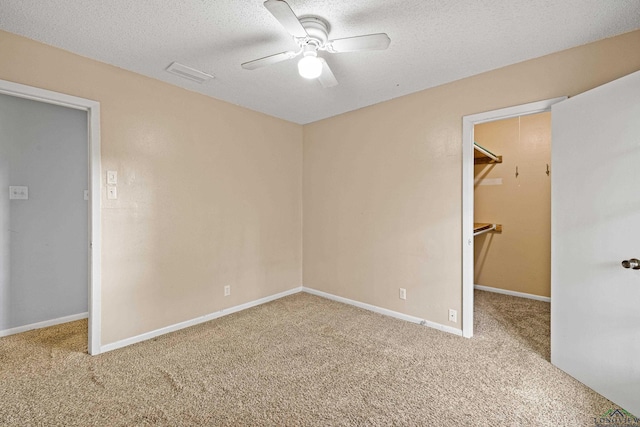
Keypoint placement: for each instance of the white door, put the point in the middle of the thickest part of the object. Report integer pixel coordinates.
(595, 225)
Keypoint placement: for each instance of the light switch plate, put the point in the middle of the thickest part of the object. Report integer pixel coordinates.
(112, 177)
(18, 192)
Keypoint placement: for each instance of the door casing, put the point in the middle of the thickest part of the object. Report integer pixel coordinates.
(468, 123)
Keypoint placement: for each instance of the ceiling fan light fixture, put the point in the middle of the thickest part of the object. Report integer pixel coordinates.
(310, 66)
(311, 33)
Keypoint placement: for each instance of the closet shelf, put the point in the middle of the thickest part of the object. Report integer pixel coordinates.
(481, 228)
(483, 156)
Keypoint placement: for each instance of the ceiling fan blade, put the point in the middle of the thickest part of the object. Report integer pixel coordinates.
(327, 79)
(283, 13)
(379, 41)
(268, 60)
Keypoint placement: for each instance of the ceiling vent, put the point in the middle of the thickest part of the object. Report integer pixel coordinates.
(189, 73)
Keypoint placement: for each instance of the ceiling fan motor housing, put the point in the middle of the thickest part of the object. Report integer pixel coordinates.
(317, 29)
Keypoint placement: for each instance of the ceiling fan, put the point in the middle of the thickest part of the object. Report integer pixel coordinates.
(311, 33)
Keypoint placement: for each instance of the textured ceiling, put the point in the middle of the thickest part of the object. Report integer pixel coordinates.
(432, 42)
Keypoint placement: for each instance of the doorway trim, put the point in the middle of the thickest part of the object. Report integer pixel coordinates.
(94, 238)
(468, 122)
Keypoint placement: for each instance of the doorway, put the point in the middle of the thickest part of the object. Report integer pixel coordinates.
(512, 206)
(92, 158)
(468, 179)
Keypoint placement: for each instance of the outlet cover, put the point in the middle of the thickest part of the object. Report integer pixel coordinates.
(453, 315)
(227, 291)
(403, 293)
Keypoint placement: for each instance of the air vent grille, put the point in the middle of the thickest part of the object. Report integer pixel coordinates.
(188, 73)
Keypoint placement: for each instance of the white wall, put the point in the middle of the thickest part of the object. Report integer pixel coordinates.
(43, 240)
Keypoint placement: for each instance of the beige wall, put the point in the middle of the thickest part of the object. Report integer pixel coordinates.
(519, 258)
(382, 185)
(209, 193)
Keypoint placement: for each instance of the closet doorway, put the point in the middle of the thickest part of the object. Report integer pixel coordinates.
(512, 206)
(506, 229)
(93, 235)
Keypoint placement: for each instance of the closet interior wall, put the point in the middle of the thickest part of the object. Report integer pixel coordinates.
(517, 194)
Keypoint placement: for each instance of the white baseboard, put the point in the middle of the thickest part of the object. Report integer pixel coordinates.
(512, 293)
(171, 328)
(226, 311)
(384, 311)
(44, 324)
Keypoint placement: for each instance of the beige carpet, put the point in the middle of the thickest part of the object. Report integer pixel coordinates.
(301, 360)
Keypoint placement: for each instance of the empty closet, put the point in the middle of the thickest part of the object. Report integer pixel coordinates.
(512, 205)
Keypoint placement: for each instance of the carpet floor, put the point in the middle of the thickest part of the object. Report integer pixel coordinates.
(301, 360)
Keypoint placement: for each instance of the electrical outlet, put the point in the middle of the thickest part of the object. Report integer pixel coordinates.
(403, 293)
(453, 315)
(227, 291)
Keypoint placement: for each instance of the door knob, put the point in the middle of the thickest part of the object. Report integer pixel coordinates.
(631, 263)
